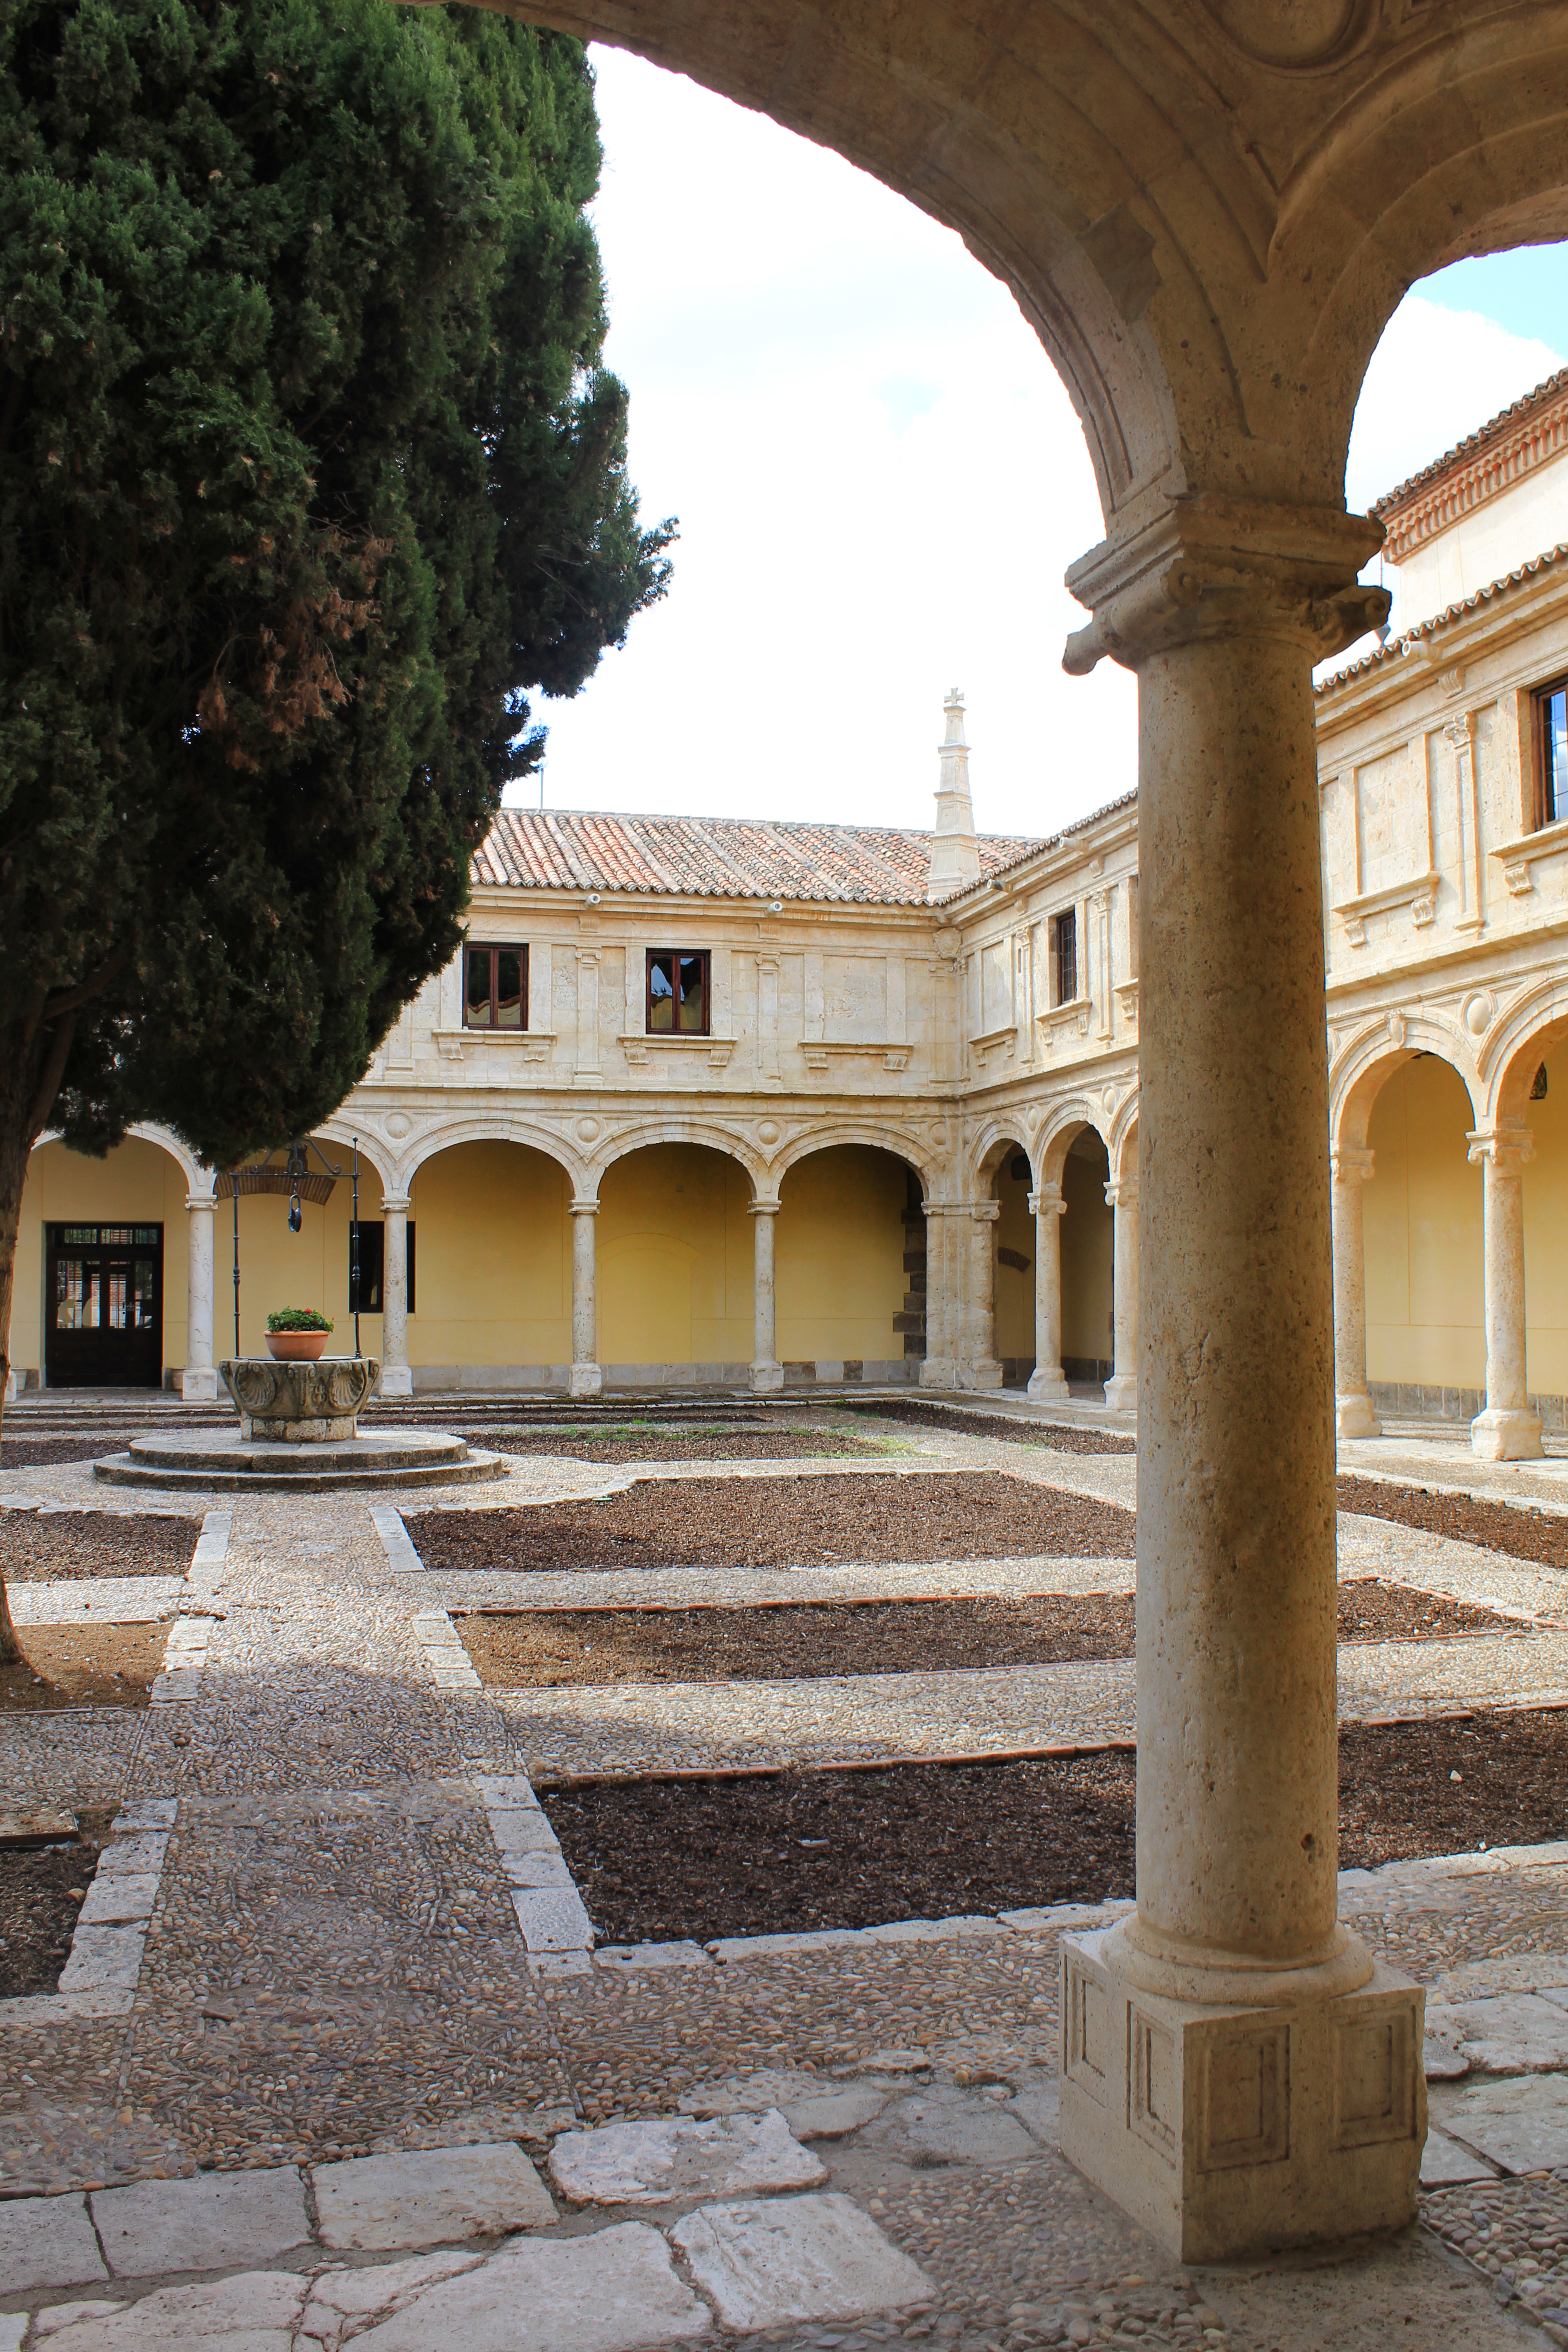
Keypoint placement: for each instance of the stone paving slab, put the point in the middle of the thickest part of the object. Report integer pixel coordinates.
(444, 2195)
(649, 2163)
(47, 2241)
(97, 1599)
(1520, 2126)
(213, 2223)
(768, 2260)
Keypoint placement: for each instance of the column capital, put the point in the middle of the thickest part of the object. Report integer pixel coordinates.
(200, 1200)
(582, 1208)
(1351, 1165)
(397, 1204)
(1123, 1194)
(1207, 565)
(985, 1212)
(1507, 1148)
(764, 1207)
(1048, 1202)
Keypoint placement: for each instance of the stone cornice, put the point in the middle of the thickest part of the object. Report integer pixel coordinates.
(1528, 435)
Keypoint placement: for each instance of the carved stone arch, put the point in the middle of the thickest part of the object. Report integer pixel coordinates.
(1122, 1143)
(373, 1151)
(873, 1134)
(1365, 1068)
(1062, 1122)
(997, 1139)
(491, 1127)
(706, 1134)
(1517, 1046)
(198, 1178)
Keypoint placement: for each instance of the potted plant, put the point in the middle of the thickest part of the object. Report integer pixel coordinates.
(296, 1335)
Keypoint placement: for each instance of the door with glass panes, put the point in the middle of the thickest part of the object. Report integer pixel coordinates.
(103, 1306)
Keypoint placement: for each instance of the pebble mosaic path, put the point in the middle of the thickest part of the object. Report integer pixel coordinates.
(334, 2088)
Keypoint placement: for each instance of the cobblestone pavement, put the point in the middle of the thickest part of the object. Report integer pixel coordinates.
(330, 1969)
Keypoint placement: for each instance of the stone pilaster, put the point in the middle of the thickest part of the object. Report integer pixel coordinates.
(1121, 1388)
(1354, 1415)
(1509, 1430)
(979, 1366)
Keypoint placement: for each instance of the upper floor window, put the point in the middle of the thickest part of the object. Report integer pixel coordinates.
(495, 988)
(677, 992)
(1552, 753)
(1064, 956)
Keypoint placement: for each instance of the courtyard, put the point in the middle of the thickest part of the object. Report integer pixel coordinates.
(617, 1904)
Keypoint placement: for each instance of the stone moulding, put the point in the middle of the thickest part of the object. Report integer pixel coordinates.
(300, 1404)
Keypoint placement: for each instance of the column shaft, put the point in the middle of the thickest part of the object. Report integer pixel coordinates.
(1048, 1208)
(1353, 1412)
(1509, 1430)
(587, 1378)
(767, 1373)
(396, 1379)
(198, 1384)
(981, 1368)
(1121, 1388)
(938, 1366)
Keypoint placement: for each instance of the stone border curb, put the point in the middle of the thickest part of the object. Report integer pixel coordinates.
(551, 1912)
(444, 1654)
(104, 1964)
(186, 1650)
(395, 1540)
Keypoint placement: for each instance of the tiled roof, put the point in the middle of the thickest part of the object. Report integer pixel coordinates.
(717, 858)
(1397, 646)
(1507, 420)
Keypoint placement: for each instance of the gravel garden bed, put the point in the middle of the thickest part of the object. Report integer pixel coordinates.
(663, 1860)
(1061, 1437)
(38, 1452)
(783, 1642)
(1512, 1528)
(41, 1891)
(782, 1523)
(652, 1444)
(84, 1666)
(41, 1547)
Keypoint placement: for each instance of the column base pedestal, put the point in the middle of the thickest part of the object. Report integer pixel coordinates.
(586, 1380)
(938, 1373)
(1121, 1393)
(1505, 1434)
(985, 1374)
(766, 1379)
(198, 1384)
(1225, 2131)
(1354, 1416)
(396, 1381)
(1046, 1385)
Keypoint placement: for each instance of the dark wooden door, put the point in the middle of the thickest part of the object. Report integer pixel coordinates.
(103, 1306)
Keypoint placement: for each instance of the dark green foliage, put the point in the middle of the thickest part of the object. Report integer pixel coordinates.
(308, 476)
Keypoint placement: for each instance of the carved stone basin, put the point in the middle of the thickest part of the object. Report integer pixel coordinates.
(300, 1404)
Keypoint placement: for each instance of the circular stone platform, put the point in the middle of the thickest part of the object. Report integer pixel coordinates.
(208, 1460)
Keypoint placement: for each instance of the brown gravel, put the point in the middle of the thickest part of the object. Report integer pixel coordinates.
(655, 1444)
(1061, 1436)
(41, 1892)
(663, 1860)
(1512, 1528)
(783, 1523)
(83, 1665)
(40, 1546)
(783, 1642)
(36, 1453)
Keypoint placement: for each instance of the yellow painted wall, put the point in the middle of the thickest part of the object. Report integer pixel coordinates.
(675, 1258)
(1015, 1288)
(1088, 1234)
(839, 1257)
(137, 1183)
(1424, 1289)
(492, 1258)
(1546, 1234)
(277, 1268)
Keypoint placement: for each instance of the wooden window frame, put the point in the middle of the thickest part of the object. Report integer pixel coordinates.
(495, 948)
(1541, 723)
(681, 955)
(1059, 995)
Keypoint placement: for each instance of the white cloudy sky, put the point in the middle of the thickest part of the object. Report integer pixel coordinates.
(880, 482)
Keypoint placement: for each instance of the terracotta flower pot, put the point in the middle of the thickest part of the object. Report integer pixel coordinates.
(297, 1347)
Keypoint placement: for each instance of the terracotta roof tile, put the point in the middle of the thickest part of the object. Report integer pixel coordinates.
(717, 858)
(1397, 646)
(1473, 443)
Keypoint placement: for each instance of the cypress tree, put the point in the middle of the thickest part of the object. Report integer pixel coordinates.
(309, 476)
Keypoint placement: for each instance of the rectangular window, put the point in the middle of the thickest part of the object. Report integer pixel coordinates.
(1064, 956)
(677, 992)
(373, 1267)
(495, 988)
(1552, 753)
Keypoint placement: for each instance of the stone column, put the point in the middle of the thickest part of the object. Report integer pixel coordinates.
(767, 1373)
(587, 1380)
(1121, 1388)
(396, 1379)
(939, 1368)
(1353, 1413)
(979, 1368)
(1048, 1208)
(198, 1382)
(1237, 2070)
(1508, 1431)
